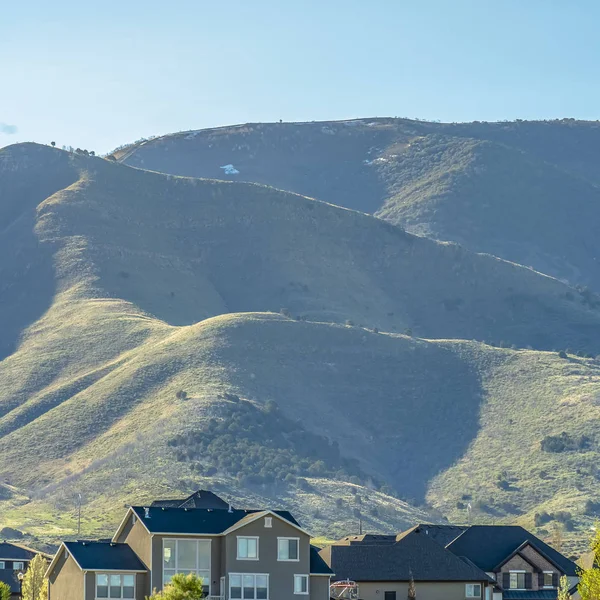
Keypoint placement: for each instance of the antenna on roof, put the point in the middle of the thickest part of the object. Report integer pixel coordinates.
(146, 512)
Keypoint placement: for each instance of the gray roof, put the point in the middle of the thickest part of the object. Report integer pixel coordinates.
(414, 555)
(10, 551)
(199, 499)
(489, 545)
(443, 534)
(317, 565)
(97, 556)
(199, 520)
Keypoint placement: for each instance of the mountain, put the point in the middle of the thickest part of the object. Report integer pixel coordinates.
(524, 191)
(162, 333)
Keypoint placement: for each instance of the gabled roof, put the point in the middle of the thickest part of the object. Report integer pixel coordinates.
(413, 555)
(489, 545)
(317, 565)
(199, 499)
(367, 538)
(9, 551)
(200, 521)
(103, 556)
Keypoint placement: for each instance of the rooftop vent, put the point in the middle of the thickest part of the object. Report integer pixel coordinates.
(146, 512)
(230, 509)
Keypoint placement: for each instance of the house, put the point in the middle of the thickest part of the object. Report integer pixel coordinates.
(380, 567)
(522, 566)
(14, 559)
(241, 554)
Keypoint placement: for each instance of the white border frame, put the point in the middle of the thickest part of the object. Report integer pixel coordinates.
(175, 539)
(307, 592)
(480, 590)
(247, 537)
(297, 559)
(108, 574)
(523, 589)
(551, 586)
(267, 575)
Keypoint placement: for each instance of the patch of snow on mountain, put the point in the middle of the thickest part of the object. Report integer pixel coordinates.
(229, 170)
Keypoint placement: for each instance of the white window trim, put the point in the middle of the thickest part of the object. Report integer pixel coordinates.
(237, 548)
(268, 522)
(472, 584)
(551, 586)
(518, 571)
(18, 562)
(254, 575)
(307, 592)
(174, 539)
(108, 574)
(2, 564)
(297, 559)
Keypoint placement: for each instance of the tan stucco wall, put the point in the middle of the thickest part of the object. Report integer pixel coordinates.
(450, 590)
(140, 541)
(66, 579)
(319, 588)
(281, 573)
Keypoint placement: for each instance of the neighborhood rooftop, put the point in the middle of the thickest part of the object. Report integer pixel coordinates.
(104, 556)
(414, 555)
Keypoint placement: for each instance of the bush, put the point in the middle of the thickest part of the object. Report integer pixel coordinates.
(565, 443)
(563, 354)
(542, 518)
(591, 508)
(339, 503)
(181, 395)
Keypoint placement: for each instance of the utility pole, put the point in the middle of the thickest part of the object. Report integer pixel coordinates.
(78, 515)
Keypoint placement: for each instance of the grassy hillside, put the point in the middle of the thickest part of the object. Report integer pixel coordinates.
(280, 317)
(524, 191)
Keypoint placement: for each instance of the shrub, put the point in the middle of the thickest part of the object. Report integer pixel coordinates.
(563, 354)
(339, 503)
(181, 395)
(542, 518)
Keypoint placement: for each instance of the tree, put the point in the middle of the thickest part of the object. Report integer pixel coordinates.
(412, 590)
(53, 144)
(5, 592)
(35, 584)
(182, 587)
(589, 579)
(563, 589)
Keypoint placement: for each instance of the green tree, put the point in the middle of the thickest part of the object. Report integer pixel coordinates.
(182, 587)
(589, 579)
(4, 591)
(563, 589)
(35, 584)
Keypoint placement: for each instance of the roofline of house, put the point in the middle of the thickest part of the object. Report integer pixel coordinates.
(234, 527)
(322, 574)
(518, 551)
(55, 559)
(416, 580)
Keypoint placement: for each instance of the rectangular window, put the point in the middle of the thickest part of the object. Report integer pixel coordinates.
(18, 566)
(389, 595)
(548, 579)
(2, 565)
(287, 548)
(248, 586)
(187, 556)
(115, 586)
(473, 590)
(247, 548)
(268, 521)
(517, 580)
(300, 584)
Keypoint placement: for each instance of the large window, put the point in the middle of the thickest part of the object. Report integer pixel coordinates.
(187, 556)
(300, 584)
(247, 586)
(473, 590)
(115, 586)
(247, 548)
(287, 548)
(517, 580)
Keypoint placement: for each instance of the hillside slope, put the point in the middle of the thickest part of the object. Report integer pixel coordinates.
(446, 181)
(132, 286)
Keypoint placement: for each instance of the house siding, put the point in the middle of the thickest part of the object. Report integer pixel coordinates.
(140, 541)
(281, 573)
(319, 588)
(429, 590)
(65, 582)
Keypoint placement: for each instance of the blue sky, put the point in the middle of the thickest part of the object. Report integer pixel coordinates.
(97, 74)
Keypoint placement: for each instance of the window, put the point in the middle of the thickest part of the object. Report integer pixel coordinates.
(300, 584)
(517, 580)
(18, 566)
(248, 586)
(247, 548)
(548, 579)
(287, 548)
(268, 521)
(187, 556)
(389, 595)
(2, 564)
(115, 586)
(473, 590)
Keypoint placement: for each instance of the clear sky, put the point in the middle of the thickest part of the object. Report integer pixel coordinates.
(99, 73)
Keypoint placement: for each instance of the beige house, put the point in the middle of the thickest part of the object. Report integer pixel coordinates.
(240, 554)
